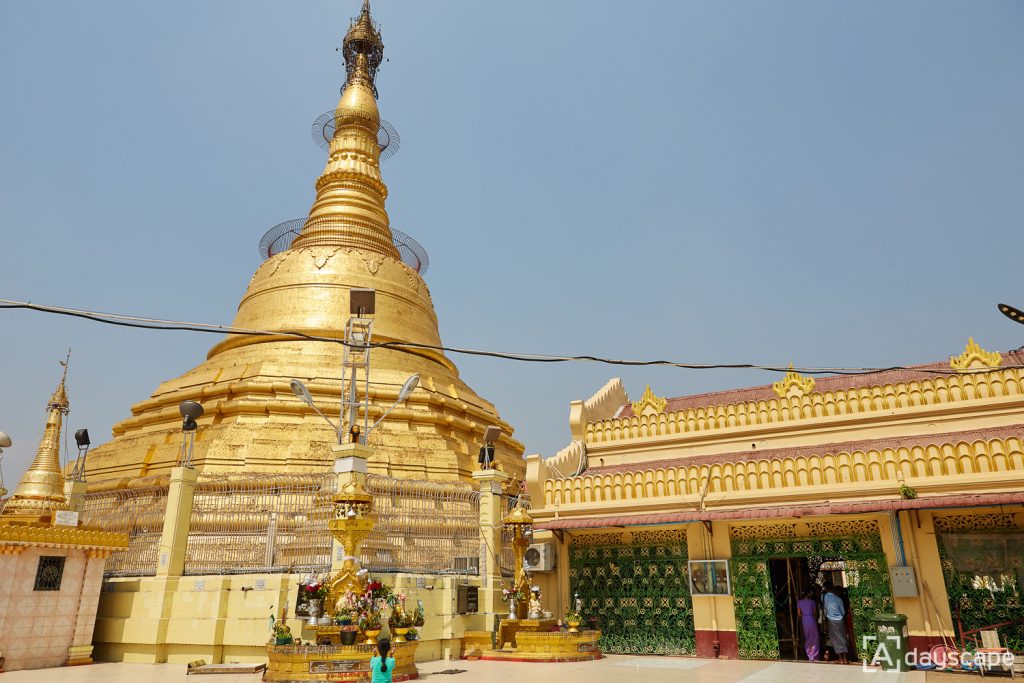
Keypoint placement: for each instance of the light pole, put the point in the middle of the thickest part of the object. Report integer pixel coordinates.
(5, 442)
(190, 412)
(300, 390)
(82, 441)
(1014, 314)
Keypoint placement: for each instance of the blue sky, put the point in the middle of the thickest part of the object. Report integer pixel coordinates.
(830, 183)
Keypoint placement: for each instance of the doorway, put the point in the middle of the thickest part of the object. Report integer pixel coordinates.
(790, 579)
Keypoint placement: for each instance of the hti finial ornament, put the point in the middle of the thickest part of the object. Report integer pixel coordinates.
(363, 47)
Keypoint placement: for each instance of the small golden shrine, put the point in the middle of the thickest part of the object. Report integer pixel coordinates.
(41, 535)
(529, 633)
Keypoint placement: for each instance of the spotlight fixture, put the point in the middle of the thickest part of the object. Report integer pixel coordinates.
(190, 411)
(83, 442)
(486, 457)
(403, 393)
(1014, 314)
(300, 390)
(362, 302)
(5, 442)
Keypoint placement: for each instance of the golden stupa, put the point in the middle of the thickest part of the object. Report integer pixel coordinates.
(252, 420)
(40, 492)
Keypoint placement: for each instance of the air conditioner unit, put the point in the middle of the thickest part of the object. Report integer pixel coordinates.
(540, 557)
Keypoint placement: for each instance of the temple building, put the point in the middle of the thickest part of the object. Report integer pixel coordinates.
(252, 420)
(693, 525)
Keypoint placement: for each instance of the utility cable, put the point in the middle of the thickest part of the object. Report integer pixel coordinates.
(411, 347)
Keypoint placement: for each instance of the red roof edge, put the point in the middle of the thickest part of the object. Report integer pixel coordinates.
(808, 510)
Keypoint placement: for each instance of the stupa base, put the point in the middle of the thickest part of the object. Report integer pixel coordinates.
(295, 663)
(549, 647)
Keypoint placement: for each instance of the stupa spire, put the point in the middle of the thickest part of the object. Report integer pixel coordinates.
(349, 207)
(41, 490)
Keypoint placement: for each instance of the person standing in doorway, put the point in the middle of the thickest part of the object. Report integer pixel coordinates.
(807, 611)
(835, 614)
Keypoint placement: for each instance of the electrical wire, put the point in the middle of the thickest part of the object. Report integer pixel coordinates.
(122, 320)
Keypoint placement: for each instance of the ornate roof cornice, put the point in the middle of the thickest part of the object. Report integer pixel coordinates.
(650, 403)
(975, 357)
(793, 384)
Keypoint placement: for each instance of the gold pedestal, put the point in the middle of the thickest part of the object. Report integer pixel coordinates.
(509, 628)
(293, 663)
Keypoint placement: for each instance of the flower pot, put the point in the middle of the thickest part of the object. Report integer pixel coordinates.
(399, 634)
(348, 634)
(283, 640)
(574, 626)
(412, 636)
(371, 635)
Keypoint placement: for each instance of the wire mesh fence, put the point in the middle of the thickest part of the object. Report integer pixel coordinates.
(261, 524)
(138, 512)
(423, 527)
(271, 523)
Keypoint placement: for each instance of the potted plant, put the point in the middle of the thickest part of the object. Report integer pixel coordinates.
(512, 597)
(370, 624)
(282, 634)
(418, 618)
(573, 619)
(400, 622)
(315, 592)
(413, 634)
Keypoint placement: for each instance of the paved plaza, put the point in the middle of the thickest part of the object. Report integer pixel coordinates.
(612, 669)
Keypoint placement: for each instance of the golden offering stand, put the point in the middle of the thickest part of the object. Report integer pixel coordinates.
(326, 659)
(520, 639)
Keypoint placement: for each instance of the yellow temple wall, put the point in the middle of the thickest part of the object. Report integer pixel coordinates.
(155, 619)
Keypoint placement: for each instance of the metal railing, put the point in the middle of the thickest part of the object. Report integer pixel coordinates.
(272, 523)
(260, 523)
(138, 512)
(423, 527)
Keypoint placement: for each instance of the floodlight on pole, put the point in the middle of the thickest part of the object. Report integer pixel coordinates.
(403, 393)
(83, 442)
(300, 390)
(190, 412)
(486, 457)
(5, 442)
(1014, 314)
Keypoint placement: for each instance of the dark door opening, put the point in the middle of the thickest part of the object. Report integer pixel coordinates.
(791, 578)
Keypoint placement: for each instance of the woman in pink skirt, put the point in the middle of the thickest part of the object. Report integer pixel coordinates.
(808, 613)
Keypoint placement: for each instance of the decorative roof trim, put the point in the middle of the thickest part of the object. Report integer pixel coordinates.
(974, 356)
(649, 400)
(62, 536)
(793, 384)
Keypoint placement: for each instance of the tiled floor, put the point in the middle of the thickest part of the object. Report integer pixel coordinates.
(613, 669)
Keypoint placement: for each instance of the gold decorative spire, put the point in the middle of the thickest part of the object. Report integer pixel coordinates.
(793, 384)
(41, 490)
(975, 357)
(649, 404)
(349, 207)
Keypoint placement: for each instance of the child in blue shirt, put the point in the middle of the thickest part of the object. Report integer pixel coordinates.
(382, 667)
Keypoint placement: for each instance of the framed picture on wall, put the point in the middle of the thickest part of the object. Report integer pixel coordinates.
(709, 577)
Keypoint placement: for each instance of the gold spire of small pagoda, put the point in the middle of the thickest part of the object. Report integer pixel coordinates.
(349, 207)
(41, 490)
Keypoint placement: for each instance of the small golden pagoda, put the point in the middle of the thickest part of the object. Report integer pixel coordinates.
(65, 557)
(41, 490)
(252, 420)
